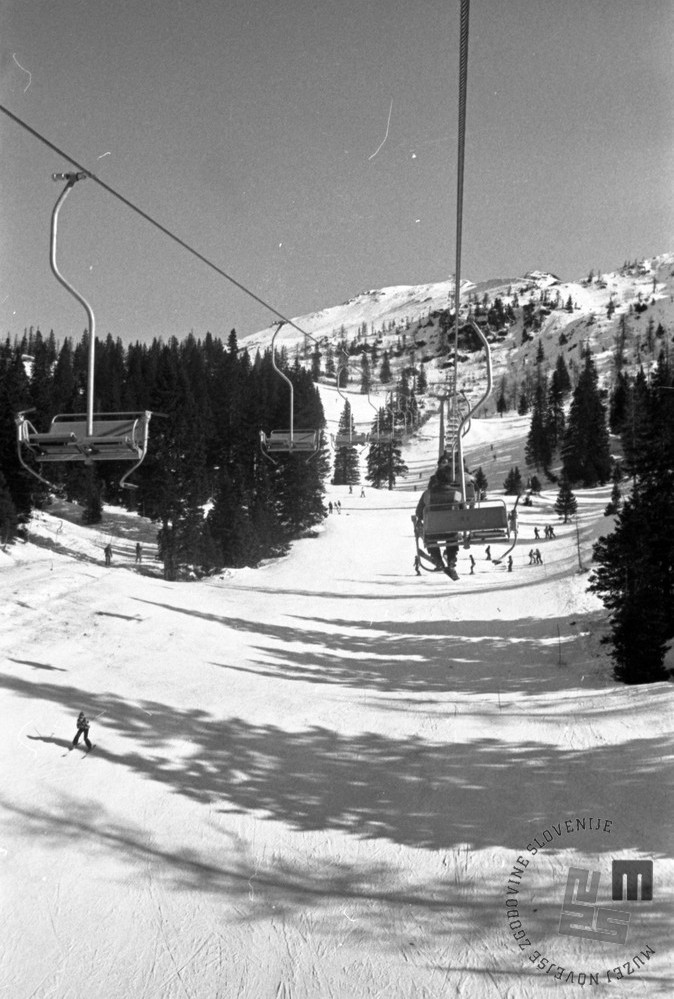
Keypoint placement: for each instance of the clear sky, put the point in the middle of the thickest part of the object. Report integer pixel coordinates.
(308, 147)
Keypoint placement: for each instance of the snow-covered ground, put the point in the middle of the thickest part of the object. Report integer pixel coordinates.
(325, 777)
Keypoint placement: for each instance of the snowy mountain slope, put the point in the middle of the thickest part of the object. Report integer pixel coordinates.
(380, 306)
(639, 292)
(315, 779)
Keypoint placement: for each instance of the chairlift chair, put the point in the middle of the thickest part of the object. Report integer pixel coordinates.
(290, 441)
(469, 521)
(350, 437)
(82, 437)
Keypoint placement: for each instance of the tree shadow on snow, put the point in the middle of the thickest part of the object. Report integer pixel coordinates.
(405, 789)
(451, 921)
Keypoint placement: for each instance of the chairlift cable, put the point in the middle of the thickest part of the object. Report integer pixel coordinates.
(150, 219)
(463, 81)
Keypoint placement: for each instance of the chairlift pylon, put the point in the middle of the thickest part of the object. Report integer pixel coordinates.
(82, 437)
(290, 441)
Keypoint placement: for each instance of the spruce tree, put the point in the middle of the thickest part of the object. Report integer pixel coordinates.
(554, 420)
(8, 516)
(635, 573)
(384, 458)
(585, 450)
(618, 404)
(481, 484)
(385, 375)
(566, 503)
(365, 374)
(346, 468)
(613, 506)
(538, 452)
(634, 580)
(563, 377)
(501, 401)
(513, 482)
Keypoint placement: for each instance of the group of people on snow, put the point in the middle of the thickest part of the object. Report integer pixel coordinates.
(107, 551)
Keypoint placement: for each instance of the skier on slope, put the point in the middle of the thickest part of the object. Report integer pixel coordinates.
(82, 729)
(441, 489)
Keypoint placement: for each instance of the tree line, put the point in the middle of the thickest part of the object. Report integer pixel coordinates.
(217, 500)
(634, 565)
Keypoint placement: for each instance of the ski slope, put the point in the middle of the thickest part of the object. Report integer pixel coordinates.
(314, 780)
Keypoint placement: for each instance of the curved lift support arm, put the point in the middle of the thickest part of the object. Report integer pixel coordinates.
(21, 422)
(71, 179)
(483, 398)
(283, 375)
(279, 324)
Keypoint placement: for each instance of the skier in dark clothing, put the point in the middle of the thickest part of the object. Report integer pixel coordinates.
(107, 551)
(82, 729)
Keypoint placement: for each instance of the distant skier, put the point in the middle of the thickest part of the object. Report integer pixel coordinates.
(551, 532)
(139, 552)
(510, 563)
(362, 492)
(537, 536)
(330, 507)
(417, 565)
(538, 557)
(107, 551)
(472, 565)
(487, 553)
(82, 729)
(532, 556)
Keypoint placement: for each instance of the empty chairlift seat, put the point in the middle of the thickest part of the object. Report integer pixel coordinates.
(114, 437)
(283, 441)
(351, 440)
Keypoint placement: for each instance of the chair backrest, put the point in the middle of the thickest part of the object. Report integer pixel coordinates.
(114, 437)
(299, 440)
(102, 429)
(351, 440)
(443, 520)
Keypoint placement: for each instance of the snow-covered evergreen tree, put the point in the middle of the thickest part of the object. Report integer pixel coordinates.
(566, 503)
(635, 564)
(585, 449)
(384, 457)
